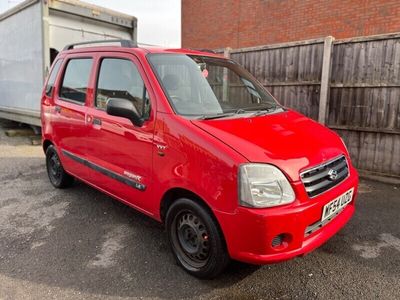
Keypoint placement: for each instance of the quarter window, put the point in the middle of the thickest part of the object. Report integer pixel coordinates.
(76, 79)
(52, 78)
(120, 78)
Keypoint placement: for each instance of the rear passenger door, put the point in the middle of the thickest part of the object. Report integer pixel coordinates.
(120, 153)
(68, 118)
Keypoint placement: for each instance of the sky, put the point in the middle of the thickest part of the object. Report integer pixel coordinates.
(159, 21)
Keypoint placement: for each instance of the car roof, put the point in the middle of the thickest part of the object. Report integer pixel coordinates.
(142, 50)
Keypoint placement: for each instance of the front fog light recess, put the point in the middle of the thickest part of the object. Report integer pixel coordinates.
(263, 185)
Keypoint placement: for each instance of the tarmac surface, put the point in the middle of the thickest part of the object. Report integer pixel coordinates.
(81, 244)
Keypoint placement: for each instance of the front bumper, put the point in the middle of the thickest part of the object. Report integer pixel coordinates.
(249, 233)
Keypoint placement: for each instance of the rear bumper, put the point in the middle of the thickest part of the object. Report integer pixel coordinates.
(249, 232)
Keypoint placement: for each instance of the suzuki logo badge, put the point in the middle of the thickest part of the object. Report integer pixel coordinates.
(332, 174)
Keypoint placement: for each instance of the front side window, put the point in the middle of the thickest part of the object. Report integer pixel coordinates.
(120, 78)
(205, 86)
(76, 79)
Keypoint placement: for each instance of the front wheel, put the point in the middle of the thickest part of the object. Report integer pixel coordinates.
(57, 175)
(196, 240)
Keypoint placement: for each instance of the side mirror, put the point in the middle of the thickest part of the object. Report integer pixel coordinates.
(125, 109)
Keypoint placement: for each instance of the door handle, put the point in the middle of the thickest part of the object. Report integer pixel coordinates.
(96, 121)
(57, 109)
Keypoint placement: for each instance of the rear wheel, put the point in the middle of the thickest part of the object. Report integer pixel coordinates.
(57, 175)
(195, 238)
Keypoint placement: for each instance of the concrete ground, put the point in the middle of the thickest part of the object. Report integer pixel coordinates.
(81, 244)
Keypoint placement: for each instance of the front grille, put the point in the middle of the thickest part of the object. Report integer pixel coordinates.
(325, 176)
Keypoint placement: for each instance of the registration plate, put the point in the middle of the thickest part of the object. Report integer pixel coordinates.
(337, 204)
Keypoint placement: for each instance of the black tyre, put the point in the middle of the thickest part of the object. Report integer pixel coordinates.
(57, 175)
(196, 240)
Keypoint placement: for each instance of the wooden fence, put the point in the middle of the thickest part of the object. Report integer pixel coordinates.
(352, 86)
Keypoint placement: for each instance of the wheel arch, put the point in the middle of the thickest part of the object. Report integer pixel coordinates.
(46, 143)
(176, 193)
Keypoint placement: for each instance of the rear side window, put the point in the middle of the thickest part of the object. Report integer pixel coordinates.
(52, 78)
(120, 78)
(76, 79)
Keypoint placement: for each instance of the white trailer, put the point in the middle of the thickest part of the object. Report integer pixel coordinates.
(31, 35)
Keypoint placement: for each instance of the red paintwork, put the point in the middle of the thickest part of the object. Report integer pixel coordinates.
(201, 157)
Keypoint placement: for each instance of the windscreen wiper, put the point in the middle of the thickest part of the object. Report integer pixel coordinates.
(240, 111)
(258, 112)
(266, 111)
(216, 116)
(222, 115)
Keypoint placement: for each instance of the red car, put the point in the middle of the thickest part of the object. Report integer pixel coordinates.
(194, 141)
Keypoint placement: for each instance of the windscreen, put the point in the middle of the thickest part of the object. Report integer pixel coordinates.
(202, 86)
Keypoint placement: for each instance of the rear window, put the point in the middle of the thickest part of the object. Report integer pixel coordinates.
(52, 78)
(76, 79)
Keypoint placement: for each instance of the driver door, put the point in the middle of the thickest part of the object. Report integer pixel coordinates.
(120, 153)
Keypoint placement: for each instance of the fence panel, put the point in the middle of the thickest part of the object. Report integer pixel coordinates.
(364, 104)
(291, 72)
(364, 97)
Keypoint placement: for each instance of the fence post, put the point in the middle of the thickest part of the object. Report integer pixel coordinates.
(227, 52)
(325, 80)
(225, 89)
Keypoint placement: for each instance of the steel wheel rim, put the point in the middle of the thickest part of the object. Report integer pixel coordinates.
(191, 240)
(55, 168)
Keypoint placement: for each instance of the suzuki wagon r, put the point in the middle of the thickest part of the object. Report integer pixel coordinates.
(194, 141)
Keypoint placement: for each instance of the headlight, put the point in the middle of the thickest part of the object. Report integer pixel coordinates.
(262, 185)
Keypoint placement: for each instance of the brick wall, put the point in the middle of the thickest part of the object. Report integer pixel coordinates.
(243, 23)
